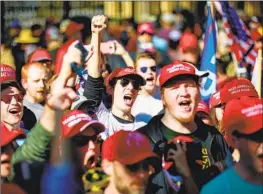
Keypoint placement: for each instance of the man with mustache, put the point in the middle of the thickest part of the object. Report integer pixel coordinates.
(128, 161)
(242, 121)
(34, 80)
(205, 150)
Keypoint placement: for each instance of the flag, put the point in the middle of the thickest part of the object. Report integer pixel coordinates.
(257, 73)
(208, 60)
(238, 35)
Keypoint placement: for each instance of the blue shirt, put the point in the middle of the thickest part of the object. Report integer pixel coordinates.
(230, 182)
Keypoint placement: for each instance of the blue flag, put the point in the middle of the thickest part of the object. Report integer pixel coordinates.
(208, 61)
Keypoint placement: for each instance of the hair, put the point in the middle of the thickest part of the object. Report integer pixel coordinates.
(145, 55)
(35, 27)
(12, 84)
(25, 69)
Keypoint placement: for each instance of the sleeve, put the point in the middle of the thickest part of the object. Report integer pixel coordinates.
(94, 90)
(36, 146)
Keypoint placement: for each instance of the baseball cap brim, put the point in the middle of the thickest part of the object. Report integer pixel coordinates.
(98, 126)
(256, 136)
(137, 158)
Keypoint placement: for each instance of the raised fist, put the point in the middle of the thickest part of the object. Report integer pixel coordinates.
(98, 23)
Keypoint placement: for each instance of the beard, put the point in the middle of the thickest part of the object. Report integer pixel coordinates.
(39, 97)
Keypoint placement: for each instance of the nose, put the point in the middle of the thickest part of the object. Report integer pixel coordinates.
(42, 83)
(183, 91)
(14, 100)
(91, 145)
(130, 86)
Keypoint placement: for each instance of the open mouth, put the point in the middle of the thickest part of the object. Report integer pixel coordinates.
(14, 111)
(127, 99)
(5, 161)
(185, 104)
(91, 162)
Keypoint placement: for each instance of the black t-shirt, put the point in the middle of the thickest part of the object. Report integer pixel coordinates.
(201, 153)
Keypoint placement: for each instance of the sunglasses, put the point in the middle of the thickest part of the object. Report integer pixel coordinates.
(8, 98)
(144, 69)
(142, 165)
(135, 84)
(82, 140)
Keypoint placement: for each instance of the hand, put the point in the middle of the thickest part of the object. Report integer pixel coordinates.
(60, 97)
(178, 156)
(119, 49)
(98, 23)
(73, 55)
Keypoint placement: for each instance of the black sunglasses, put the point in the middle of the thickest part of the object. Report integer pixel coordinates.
(144, 69)
(82, 140)
(142, 165)
(124, 82)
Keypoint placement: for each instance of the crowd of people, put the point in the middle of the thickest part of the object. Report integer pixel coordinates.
(120, 112)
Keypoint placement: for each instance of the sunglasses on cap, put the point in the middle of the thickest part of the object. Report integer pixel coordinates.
(8, 98)
(82, 140)
(135, 84)
(142, 165)
(144, 69)
(257, 136)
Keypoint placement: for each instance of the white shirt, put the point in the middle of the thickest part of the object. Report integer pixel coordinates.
(114, 124)
(146, 107)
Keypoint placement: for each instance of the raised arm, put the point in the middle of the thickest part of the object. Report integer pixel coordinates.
(120, 50)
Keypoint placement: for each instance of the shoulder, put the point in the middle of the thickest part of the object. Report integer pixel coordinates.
(218, 184)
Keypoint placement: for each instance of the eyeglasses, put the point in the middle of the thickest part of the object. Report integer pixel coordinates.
(144, 69)
(8, 98)
(82, 140)
(124, 82)
(142, 165)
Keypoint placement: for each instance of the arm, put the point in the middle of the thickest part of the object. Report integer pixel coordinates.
(120, 50)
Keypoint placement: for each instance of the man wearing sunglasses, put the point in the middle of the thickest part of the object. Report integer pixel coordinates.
(128, 161)
(180, 95)
(146, 105)
(243, 123)
(83, 130)
(11, 99)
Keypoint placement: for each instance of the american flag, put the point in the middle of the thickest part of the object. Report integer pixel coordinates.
(238, 35)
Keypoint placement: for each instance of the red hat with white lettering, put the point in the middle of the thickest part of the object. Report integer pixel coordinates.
(244, 115)
(8, 74)
(202, 107)
(237, 88)
(9, 135)
(77, 121)
(179, 68)
(215, 99)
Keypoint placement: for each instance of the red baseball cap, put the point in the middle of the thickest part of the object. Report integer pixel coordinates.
(243, 115)
(202, 107)
(145, 27)
(73, 28)
(179, 68)
(215, 99)
(122, 72)
(237, 88)
(77, 121)
(127, 147)
(8, 74)
(9, 135)
(39, 55)
(188, 41)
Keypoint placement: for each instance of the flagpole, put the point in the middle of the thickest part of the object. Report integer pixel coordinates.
(257, 73)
